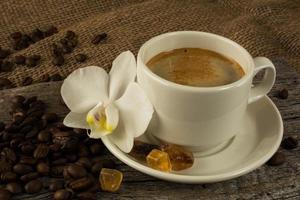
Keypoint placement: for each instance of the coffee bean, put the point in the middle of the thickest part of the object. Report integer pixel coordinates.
(84, 162)
(98, 38)
(33, 132)
(283, 94)
(7, 66)
(12, 128)
(27, 160)
(72, 43)
(44, 78)
(8, 177)
(37, 35)
(86, 196)
(33, 186)
(5, 83)
(22, 169)
(96, 168)
(71, 157)
(43, 168)
(16, 35)
(27, 81)
(59, 161)
(96, 149)
(62, 195)
(4, 53)
(31, 62)
(9, 154)
(28, 177)
(83, 151)
(14, 188)
(14, 143)
(109, 163)
(67, 49)
(4, 166)
(20, 60)
(50, 31)
(80, 57)
(289, 143)
(56, 185)
(44, 136)
(27, 148)
(4, 194)
(50, 117)
(81, 184)
(2, 126)
(70, 35)
(55, 147)
(277, 159)
(41, 151)
(58, 60)
(76, 171)
(57, 171)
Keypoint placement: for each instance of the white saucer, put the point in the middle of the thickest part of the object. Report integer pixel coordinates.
(258, 140)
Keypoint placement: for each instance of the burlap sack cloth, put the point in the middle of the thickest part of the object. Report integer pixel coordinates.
(264, 27)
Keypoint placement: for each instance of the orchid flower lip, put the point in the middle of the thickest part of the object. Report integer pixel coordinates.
(108, 104)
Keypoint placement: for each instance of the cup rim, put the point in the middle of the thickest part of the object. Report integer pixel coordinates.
(174, 85)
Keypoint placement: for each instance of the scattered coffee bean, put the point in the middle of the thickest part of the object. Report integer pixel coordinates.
(50, 117)
(22, 169)
(4, 53)
(37, 35)
(4, 194)
(27, 160)
(8, 176)
(96, 149)
(44, 78)
(31, 62)
(81, 184)
(70, 35)
(27, 81)
(62, 195)
(87, 196)
(58, 60)
(41, 151)
(33, 186)
(28, 177)
(109, 163)
(76, 171)
(60, 161)
(67, 49)
(84, 162)
(43, 168)
(14, 188)
(5, 83)
(7, 66)
(98, 38)
(16, 35)
(283, 94)
(50, 31)
(44, 136)
(56, 185)
(20, 60)
(289, 143)
(80, 57)
(277, 159)
(96, 168)
(56, 77)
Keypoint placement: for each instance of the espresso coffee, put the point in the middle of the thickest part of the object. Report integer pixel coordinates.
(196, 67)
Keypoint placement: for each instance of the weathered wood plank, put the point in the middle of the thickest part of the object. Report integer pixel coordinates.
(267, 182)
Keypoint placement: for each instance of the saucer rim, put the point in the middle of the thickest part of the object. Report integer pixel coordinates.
(195, 179)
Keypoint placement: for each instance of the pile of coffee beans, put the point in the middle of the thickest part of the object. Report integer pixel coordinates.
(59, 49)
(35, 144)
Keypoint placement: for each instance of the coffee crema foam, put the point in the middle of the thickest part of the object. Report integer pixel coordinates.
(196, 67)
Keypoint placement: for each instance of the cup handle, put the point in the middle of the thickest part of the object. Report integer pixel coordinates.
(262, 88)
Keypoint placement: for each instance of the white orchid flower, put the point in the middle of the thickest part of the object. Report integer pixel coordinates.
(110, 105)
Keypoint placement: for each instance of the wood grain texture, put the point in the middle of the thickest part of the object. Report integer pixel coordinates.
(282, 182)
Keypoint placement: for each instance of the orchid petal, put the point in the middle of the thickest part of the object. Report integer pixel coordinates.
(135, 110)
(122, 73)
(102, 120)
(76, 120)
(121, 138)
(84, 88)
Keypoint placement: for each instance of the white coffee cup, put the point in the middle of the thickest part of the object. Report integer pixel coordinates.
(200, 117)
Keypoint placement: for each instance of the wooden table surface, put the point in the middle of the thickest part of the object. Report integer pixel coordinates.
(266, 182)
